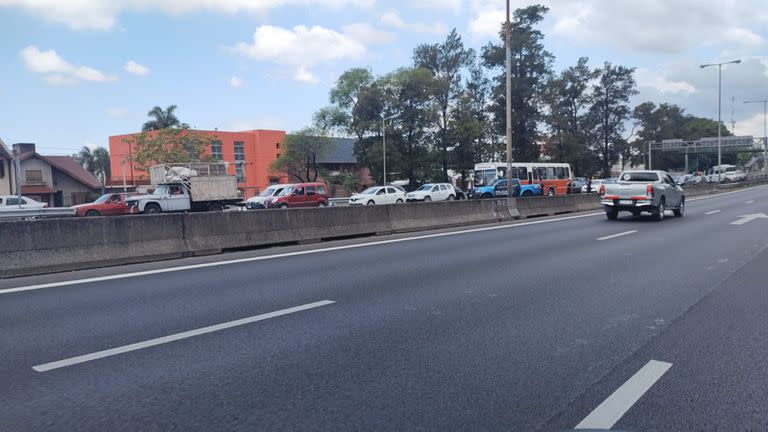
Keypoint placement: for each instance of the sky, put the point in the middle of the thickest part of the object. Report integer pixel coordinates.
(74, 72)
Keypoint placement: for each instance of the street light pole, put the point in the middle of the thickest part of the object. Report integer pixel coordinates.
(719, 109)
(384, 145)
(765, 130)
(508, 49)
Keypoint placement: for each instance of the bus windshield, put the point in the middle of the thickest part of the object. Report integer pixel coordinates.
(485, 177)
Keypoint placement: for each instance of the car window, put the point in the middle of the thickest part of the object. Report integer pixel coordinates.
(391, 190)
(299, 191)
(321, 190)
(381, 191)
(311, 190)
(435, 188)
(12, 201)
(640, 176)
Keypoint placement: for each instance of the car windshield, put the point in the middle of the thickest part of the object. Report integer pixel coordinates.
(426, 187)
(268, 192)
(640, 176)
(370, 191)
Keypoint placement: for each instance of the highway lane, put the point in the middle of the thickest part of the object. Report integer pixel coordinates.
(502, 329)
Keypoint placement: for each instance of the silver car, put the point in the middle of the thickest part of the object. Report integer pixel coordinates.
(653, 192)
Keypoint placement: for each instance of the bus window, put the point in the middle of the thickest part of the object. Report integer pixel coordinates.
(522, 173)
(540, 173)
(514, 173)
(567, 172)
(560, 173)
(551, 173)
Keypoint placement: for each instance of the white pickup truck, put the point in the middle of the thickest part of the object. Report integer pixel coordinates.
(653, 192)
(187, 187)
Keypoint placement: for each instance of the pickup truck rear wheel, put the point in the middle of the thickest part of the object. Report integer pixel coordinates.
(611, 213)
(680, 211)
(658, 215)
(152, 208)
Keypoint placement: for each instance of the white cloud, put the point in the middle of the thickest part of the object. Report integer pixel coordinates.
(265, 122)
(368, 34)
(301, 47)
(117, 112)
(305, 76)
(487, 22)
(103, 14)
(752, 125)
(236, 82)
(452, 5)
(659, 82)
(392, 19)
(58, 71)
(136, 69)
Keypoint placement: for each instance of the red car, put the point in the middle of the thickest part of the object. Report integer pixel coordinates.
(302, 195)
(106, 205)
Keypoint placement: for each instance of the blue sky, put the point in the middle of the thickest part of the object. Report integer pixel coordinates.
(242, 64)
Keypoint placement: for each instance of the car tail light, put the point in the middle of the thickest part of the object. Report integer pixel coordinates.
(602, 189)
(649, 191)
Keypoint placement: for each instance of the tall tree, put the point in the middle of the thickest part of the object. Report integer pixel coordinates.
(609, 113)
(303, 148)
(567, 98)
(530, 69)
(86, 159)
(345, 98)
(161, 119)
(445, 60)
(169, 145)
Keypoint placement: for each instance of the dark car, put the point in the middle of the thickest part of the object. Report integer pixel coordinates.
(460, 194)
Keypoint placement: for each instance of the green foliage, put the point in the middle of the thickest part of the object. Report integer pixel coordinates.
(302, 150)
(347, 180)
(95, 161)
(161, 119)
(170, 145)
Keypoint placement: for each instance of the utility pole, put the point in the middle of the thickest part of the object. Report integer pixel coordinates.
(765, 130)
(17, 169)
(719, 110)
(384, 145)
(507, 37)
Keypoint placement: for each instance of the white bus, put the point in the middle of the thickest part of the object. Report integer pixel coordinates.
(554, 178)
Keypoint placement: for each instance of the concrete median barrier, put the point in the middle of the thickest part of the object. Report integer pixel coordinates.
(47, 246)
(213, 232)
(419, 216)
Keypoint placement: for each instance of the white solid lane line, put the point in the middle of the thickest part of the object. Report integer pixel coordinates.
(750, 201)
(174, 337)
(612, 409)
(617, 235)
(712, 212)
(285, 255)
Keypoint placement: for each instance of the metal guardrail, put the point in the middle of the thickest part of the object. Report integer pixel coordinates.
(36, 213)
(338, 202)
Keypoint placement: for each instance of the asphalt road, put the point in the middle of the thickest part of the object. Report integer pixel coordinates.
(533, 326)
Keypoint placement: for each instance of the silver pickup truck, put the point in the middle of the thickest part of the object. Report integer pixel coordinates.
(643, 191)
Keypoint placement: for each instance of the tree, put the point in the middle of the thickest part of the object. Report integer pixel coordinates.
(567, 98)
(96, 162)
(445, 60)
(161, 119)
(609, 112)
(530, 69)
(170, 145)
(303, 148)
(345, 97)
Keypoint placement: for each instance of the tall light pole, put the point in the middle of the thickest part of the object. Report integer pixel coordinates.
(384, 144)
(508, 49)
(765, 130)
(719, 108)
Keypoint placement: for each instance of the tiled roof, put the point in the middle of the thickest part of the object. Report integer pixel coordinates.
(69, 165)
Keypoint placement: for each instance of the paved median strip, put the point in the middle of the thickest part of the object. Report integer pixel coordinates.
(613, 409)
(175, 337)
(626, 233)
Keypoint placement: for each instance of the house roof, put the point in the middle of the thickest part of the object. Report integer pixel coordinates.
(69, 165)
(343, 152)
(5, 152)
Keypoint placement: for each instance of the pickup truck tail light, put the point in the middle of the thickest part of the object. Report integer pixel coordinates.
(649, 191)
(602, 189)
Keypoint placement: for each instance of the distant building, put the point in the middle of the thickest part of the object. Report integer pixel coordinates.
(58, 181)
(250, 153)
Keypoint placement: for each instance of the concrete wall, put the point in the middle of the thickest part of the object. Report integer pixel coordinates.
(72, 191)
(34, 163)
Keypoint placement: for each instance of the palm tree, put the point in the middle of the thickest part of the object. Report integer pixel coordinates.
(161, 119)
(85, 158)
(101, 167)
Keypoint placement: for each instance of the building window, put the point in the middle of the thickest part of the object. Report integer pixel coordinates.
(239, 161)
(274, 180)
(34, 177)
(277, 145)
(277, 156)
(216, 150)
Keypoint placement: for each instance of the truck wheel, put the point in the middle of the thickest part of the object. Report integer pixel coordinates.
(486, 196)
(527, 194)
(611, 213)
(680, 211)
(370, 202)
(451, 197)
(152, 209)
(215, 207)
(92, 213)
(658, 215)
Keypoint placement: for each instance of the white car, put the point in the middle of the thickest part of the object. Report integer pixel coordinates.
(10, 202)
(262, 200)
(596, 183)
(432, 192)
(378, 195)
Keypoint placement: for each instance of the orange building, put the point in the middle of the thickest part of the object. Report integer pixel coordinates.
(256, 149)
